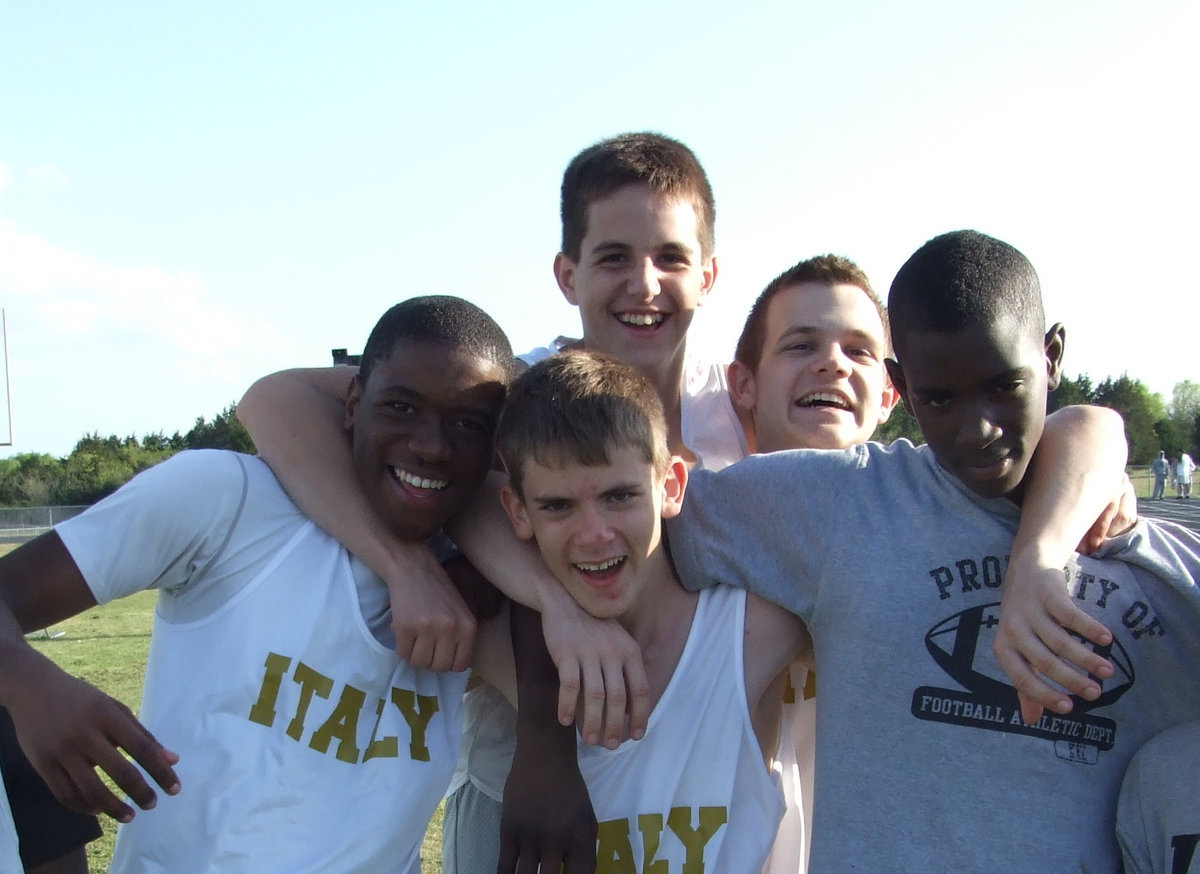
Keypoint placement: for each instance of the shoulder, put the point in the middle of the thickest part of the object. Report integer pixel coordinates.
(773, 635)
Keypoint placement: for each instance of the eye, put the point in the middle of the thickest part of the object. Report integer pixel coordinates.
(475, 426)
(398, 407)
(625, 496)
(935, 402)
(798, 346)
(1009, 388)
(553, 507)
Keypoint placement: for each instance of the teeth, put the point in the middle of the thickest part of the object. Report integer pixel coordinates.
(641, 320)
(599, 566)
(824, 397)
(420, 482)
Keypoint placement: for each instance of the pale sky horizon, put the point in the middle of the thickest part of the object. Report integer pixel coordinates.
(193, 196)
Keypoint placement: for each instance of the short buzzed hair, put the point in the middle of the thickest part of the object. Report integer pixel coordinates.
(577, 406)
(438, 319)
(963, 279)
(824, 269)
(665, 165)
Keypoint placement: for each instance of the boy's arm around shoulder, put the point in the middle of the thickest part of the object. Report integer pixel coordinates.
(295, 418)
(1077, 475)
(66, 727)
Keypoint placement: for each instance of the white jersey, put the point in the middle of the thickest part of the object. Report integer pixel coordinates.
(305, 743)
(694, 793)
(711, 430)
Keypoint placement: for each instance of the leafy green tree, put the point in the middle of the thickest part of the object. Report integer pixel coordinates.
(1071, 391)
(899, 424)
(1184, 413)
(223, 432)
(1141, 409)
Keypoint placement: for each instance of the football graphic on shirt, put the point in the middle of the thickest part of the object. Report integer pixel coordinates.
(962, 647)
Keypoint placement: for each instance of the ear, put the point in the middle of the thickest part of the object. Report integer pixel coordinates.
(517, 514)
(674, 485)
(891, 397)
(353, 396)
(896, 374)
(1055, 343)
(741, 385)
(564, 274)
(710, 279)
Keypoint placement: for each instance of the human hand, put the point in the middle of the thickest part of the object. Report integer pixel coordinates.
(1033, 645)
(68, 729)
(1118, 517)
(598, 658)
(547, 822)
(434, 627)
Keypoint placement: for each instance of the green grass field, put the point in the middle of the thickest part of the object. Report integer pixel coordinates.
(107, 647)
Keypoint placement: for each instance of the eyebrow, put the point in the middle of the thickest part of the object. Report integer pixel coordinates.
(406, 392)
(617, 246)
(808, 330)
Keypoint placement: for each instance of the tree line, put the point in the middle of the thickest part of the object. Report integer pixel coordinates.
(98, 466)
(1151, 424)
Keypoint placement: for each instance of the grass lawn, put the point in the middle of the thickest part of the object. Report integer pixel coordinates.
(107, 647)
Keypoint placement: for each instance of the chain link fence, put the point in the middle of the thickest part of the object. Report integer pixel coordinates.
(18, 524)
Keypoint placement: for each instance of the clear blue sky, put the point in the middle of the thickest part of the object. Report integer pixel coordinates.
(192, 195)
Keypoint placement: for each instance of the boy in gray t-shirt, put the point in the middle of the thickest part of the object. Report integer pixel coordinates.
(923, 759)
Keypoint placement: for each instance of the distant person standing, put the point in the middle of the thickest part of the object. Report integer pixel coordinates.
(1183, 476)
(1160, 467)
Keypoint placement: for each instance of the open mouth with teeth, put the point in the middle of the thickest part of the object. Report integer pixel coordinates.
(824, 399)
(404, 477)
(641, 320)
(600, 571)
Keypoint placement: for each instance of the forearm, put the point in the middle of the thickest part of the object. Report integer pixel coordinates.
(1076, 473)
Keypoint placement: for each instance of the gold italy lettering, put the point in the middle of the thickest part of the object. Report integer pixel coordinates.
(343, 725)
(417, 711)
(263, 711)
(386, 747)
(694, 839)
(614, 852)
(310, 682)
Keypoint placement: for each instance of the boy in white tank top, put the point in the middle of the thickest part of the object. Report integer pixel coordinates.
(301, 741)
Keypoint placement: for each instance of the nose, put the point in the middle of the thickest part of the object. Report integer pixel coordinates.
(427, 440)
(593, 529)
(645, 284)
(978, 427)
(832, 359)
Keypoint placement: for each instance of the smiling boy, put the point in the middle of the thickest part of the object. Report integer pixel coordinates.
(924, 760)
(304, 742)
(809, 373)
(590, 480)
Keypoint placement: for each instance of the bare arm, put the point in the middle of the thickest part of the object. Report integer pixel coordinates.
(548, 818)
(1077, 472)
(67, 727)
(296, 420)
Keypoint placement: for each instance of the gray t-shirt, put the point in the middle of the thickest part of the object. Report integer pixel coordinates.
(1158, 816)
(923, 762)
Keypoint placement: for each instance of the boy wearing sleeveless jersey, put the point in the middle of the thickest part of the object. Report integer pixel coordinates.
(584, 443)
(299, 740)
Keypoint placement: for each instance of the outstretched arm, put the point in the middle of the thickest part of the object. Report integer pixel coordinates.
(67, 727)
(1077, 477)
(295, 418)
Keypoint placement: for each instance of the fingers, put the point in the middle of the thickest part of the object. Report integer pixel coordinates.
(637, 686)
(568, 691)
(439, 641)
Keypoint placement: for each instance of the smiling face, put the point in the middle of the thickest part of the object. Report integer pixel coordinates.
(423, 430)
(599, 528)
(640, 276)
(820, 382)
(979, 395)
